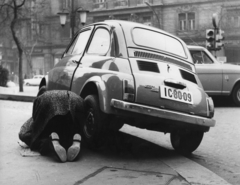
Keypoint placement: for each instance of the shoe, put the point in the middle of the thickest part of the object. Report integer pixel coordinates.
(74, 150)
(58, 149)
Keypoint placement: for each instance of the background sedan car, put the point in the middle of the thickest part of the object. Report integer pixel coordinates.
(33, 81)
(217, 78)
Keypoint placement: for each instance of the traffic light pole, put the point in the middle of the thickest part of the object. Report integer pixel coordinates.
(215, 31)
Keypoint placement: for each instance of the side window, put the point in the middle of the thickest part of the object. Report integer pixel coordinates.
(100, 42)
(207, 59)
(197, 57)
(79, 43)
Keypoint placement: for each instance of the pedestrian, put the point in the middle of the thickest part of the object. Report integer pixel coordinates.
(55, 124)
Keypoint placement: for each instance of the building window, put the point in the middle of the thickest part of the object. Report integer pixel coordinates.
(147, 21)
(186, 21)
(121, 3)
(235, 21)
(234, 18)
(99, 4)
(66, 4)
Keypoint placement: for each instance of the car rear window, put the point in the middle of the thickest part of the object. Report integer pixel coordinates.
(159, 41)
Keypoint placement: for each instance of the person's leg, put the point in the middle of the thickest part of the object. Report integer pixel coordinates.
(49, 140)
(67, 139)
(73, 139)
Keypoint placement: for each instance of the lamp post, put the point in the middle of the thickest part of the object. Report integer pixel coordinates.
(154, 12)
(82, 16)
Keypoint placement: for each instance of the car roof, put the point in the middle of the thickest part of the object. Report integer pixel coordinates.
(195, 47)
(131, 24)
(128, 25)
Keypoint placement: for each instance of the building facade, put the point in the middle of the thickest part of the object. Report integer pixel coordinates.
(187, 19)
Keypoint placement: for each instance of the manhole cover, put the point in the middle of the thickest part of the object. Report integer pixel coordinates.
(118, 176)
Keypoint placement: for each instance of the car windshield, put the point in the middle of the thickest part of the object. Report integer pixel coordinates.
(159, 41)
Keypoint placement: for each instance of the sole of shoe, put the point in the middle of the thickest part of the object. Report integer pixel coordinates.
(58, 149)
(74, 150)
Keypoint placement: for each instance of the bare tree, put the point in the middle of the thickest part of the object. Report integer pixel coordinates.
(11, 10)
(34, 17)
(16, 14)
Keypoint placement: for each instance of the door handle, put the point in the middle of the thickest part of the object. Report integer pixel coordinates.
(175, 83)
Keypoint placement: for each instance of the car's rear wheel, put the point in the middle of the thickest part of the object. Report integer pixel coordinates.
(27, 84)
(94, 126)
(236, 95)
(186, 142)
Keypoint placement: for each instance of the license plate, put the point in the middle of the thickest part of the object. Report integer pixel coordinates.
(176, 94)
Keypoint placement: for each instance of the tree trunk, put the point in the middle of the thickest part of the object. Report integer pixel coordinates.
(18, 43)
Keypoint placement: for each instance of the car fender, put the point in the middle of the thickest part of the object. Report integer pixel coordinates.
(235, 84)
(101, 91)
(44, 82)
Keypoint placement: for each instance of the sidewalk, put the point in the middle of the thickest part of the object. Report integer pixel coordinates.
(139, 166)
(150, 160)
(12, 93)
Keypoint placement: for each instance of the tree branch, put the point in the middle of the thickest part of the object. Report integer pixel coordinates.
(7, 5)
(19, 6)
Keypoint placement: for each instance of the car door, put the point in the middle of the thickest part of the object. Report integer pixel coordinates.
(60, 77)
(99, 61)
(209, 72)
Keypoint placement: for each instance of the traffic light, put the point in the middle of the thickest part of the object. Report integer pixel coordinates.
(219, 38)
(210, 39)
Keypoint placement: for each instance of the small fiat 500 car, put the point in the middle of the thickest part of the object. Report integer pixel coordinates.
(135, 74)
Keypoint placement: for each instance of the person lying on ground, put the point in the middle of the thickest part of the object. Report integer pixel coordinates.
(55, 124)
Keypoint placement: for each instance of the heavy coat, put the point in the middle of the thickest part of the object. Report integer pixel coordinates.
(47, 106)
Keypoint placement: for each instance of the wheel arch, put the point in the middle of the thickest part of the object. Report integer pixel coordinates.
(95, 85)
(44, 82)
(236, 83)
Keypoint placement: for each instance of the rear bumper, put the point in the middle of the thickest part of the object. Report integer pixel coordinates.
(162, 113)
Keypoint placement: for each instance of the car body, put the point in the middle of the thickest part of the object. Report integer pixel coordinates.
(33, 81)
(217, 78)
(125, 76)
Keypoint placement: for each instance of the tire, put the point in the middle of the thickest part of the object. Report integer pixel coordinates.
(186, 143)
(236, 95)
(95, 124)
(27, 84)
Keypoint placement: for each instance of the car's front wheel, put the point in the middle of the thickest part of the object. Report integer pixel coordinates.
(186, 142)
(94, 126)
(236, 94)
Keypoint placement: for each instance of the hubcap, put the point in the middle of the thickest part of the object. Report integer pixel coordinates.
(89, 126)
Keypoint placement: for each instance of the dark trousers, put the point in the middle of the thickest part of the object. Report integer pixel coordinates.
(63, 126)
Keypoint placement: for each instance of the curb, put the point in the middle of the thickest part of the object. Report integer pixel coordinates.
(24, 98)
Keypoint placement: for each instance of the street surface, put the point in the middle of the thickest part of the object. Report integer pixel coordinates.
(219, 152)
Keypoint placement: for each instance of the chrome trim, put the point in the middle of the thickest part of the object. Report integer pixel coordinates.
(162, 113)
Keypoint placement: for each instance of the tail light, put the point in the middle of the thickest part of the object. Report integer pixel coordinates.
(128, 90)
(210, 107)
